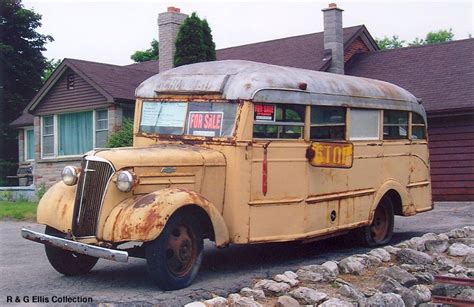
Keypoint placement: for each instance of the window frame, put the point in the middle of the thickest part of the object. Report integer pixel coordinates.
(408, 126)
(26, 143)
(56, 133)
(280, 123)
(362, 139)
(417, 125)
(70, 80)
(345, 124)
(94, 125)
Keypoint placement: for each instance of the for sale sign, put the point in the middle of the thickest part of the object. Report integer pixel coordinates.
(205, 123)
(265, 112)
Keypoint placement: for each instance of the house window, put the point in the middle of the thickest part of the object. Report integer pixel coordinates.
(48, 136)
(70, 81)
(29, 141)
(418, 130)
(395, 125)
(278, 121)
(364, 124)
(101, 128)
(74, 134)
(328, 123)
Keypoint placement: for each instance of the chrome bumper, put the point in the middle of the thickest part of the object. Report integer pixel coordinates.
(73, 246)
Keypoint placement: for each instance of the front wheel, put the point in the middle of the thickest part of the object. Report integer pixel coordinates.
(66, 262)
(174, 257)
(380, 231)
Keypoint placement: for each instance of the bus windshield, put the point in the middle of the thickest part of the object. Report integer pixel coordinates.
(208, 119)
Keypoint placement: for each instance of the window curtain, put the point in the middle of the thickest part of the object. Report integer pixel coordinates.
(75, 133)
(30, 145)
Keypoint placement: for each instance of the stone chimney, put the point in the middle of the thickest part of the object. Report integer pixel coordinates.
(168, 27)
(333, 37)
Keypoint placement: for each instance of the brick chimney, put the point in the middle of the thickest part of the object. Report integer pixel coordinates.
(168, 27)
(333, 37)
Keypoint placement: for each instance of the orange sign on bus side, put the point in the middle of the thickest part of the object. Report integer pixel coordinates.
(327, 154)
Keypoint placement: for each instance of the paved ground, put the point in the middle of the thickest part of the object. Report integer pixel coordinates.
(26, 271)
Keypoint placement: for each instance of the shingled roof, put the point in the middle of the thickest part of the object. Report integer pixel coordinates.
(442, 75)
(302, 51)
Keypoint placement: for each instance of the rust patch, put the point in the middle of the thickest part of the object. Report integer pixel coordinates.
(150, 222)
(145, 201)
(63, 211)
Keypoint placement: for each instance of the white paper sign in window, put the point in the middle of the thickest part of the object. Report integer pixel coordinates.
(364, 124)
(163, 114)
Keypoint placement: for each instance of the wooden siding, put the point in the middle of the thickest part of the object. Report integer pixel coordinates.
(59, 99)
(451, 143)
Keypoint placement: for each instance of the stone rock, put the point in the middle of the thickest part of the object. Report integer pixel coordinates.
(216, 302)
(290, 274)
(468, 260)
(353, 294)
(469, 231)
(403, 277)
(437, 245)
(332, 267)
(412, 267)
(370, 261)
(424, 278)
(443, 264)
(458, 270)
(466, 294)
(410, 256)
(287, 301)
(233, 297)
(385, 299)
(466, 241)
(352, 265)
(335, 302)
(381, 254)
(417, 243)
(408, 297)
(422, 293)
(456, 233)
(256, 294)
(271, 287)
(459, 250)
(316, 273)
(195, 304)
(391, 250)
(344, 282)
(446, 290)
(245, 302)
(284, 278)
(389, 285)
(308, 295)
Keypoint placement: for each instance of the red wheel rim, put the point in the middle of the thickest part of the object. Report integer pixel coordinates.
(181, 250)
(380, 224)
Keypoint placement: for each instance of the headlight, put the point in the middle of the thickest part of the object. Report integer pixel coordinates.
(125, 181)
(69, 175)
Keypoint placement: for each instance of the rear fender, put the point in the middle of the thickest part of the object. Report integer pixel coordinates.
(142, 218)
(388, 185)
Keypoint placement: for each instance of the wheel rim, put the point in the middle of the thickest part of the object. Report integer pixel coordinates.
(181, 250)
(379, 227)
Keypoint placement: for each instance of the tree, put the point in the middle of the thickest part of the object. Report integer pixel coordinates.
(194, 42)
(21, 67)
(51, 65)
(439, 36)
(123, 137)
(148, 54)
(390, 43)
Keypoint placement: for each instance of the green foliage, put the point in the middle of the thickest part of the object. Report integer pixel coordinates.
(7, 168)
(40, 191)
(122, 137)
(21, 67)
(6, 195)
(51, 66)
(19, 210)
(148, 54)
(194, 42)
(432, 37)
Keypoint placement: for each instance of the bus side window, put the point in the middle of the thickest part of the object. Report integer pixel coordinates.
(278, 121)
(328, 123)
(417, 127)
(364, 124)
(395, 125)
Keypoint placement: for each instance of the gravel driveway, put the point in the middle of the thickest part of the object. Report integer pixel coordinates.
(25, 271)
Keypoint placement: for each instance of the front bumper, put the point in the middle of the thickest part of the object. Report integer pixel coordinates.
(73, 246)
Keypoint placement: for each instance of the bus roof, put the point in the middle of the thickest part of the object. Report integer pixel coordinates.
(259, 82)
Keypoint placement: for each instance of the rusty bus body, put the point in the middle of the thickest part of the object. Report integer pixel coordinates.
(266, 154)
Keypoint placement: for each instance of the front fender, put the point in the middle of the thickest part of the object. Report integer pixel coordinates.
(56, 207)
(142, 218)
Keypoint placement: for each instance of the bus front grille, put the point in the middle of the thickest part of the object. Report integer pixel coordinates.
(93, 180)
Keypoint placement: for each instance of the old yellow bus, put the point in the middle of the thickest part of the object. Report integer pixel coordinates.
(241, 152)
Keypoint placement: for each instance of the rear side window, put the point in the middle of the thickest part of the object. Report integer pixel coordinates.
(328, 123)
(395, 125)
(278, 121)
(418, 129)
(364, 124)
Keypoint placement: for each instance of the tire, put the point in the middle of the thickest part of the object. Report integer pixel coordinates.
(380, 231)
(174, 257)
(66, 262)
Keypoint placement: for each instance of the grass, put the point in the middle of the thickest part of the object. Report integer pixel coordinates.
(21, 210)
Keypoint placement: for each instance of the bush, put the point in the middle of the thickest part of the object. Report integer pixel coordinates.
(122, 137)
(7, 168)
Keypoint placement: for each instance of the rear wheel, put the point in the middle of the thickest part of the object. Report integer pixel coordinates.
(66, 262)
(380, 231)
(174, 257)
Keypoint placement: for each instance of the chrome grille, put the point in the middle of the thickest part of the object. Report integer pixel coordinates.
(91, 187)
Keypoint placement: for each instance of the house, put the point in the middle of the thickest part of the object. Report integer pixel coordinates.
(442, 75)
